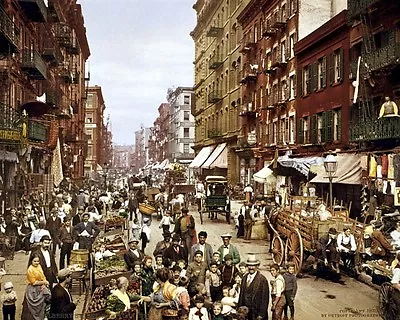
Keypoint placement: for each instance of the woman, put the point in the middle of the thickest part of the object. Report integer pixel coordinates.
(120, 300)
(37, 292)
(164, 299)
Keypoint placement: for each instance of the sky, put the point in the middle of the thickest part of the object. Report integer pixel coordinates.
(139, 49)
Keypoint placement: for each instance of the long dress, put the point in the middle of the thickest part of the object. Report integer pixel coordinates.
(168, 293)
(36, 297)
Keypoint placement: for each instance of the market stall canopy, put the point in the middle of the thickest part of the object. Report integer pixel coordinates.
(156, 165)
(302, 165)
(262, 175)
(348, 170)
(218, 159)
(164, 165)
(201, 157)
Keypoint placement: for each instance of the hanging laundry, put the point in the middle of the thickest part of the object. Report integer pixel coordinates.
(390, 166)
(379, 171)
(385, 165)
(372, 167)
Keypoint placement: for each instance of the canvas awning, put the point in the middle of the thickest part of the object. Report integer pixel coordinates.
(348, 170)
(201, 157)
(218, 159)
(302, 165)
(262, 175)
(164, 164)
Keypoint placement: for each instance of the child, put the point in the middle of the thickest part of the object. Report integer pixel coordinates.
(217, 258)
(228, 271)
(159, 262)
(183, 297)
(242, 268)
(8, 300)
(145, 234)
(166, 222)
(213, 282)
(277, 292)
(136, 229)
(217, 311)
(182, 265)
(237, 285)
(229, 302)
(199, 312)
(201, 290)
(290, 290)
(148, 276)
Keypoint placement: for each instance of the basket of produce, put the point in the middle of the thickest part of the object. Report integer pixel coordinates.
(97, 303)
(110, 268)
(146, 209)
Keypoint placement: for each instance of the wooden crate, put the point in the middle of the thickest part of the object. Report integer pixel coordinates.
(107, 279)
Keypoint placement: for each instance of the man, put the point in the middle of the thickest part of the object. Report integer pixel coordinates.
(80, 199)
(175, 252)
(47, 260)
(185, 227)
(380, 246)
(53, 224)
(228, 248)
(327, 248)
(204, 247)
(200, 194)
(62, 306)
(133, 255)
(86, 232)
(248, 221)
(254, 291)
(66, 242)
(67, 208)
(37, 234)
(347, 247)
(76, 218)
(162, 245)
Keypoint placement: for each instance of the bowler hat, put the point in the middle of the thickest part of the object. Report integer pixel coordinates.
(251, 260)
(332, 231)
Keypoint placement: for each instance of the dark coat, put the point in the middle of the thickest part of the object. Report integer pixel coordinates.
(131, 259)
(61, 306)
(255, 297)
(323, 241)
(54, 226)
(208, 252)
(65, 236)
(170, 255)
(86, 242)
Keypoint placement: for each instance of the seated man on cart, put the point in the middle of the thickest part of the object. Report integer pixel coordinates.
(347, 247)
(327, 249)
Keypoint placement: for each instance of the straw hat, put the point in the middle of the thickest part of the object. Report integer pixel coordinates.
(251, 260)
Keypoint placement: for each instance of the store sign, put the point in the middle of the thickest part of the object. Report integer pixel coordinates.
(251, 138)
(10, 135)
(90, 125)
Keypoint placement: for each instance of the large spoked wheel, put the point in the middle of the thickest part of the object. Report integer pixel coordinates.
(294, 250)
(387, 308)
(278, 250)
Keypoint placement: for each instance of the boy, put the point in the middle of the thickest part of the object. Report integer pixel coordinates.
(8, 300)
(199, 312)
(290, 290)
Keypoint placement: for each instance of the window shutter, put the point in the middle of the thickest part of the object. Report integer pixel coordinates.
(294, 84)
(300, 82)
(331, 63)
(339, 124)
(300, 135)
(287, 49)
(323, 127)
(295, 6)
(314, 76)
(329, 126)
(314, 129)
(341, 65)
(324, 72)
(287, 130)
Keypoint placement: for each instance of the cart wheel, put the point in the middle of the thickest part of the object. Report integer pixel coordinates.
(387, 309)
(278, 250)
(294, 250)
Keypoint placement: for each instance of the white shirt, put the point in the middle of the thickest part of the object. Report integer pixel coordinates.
(342, 239)
(396, 237)
(396, 276)
(193, 316)
(46, 255)
(37, 234)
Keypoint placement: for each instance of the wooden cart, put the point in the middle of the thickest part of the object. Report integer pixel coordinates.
(295, 236)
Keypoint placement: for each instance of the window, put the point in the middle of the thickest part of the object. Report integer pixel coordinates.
(321, 73)
(292, 41)
(89, 120)
(186, 115)
(186, 148)
(291, 129)
(282, 128)
(283, 51)
(292, 86)
(275, 132)
(283, 93)
(337, 125)
(186, 132)
(186, 100)
(336, 66)
(90, 151)
(292, 7)
(307, 80)
(303, 127)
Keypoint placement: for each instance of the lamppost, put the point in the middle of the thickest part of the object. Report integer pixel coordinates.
(330, 164)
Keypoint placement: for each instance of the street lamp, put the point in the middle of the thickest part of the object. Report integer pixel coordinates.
(330, 164)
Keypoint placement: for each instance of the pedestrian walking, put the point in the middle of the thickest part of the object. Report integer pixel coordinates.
(166, 221)
(8, 300)
(185, 227)
(145, 234)
(277, 292)
(66, 242)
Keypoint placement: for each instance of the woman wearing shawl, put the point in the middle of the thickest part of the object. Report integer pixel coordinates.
(37, 292)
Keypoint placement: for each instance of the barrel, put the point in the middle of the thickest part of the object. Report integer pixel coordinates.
(259, 230)
(146, 209)
(80, 257)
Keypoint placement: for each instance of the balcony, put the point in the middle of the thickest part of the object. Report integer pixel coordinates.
(73, 47)
(215, 61)
(248, 44)
(37, 131)
(384, 57)
(279, 61)
(66, 75)
(269, 69)
(373, 130)
(51, 97)
(63, 34)
(33, 64)
(9, 34)
(214, 96)
(34, 10)
(248, 110)
(51, 52)
(214, 32)
(249, 74)
(214, 133)
(278, 98)
(356, 7)
(9, 119)
(273, 26)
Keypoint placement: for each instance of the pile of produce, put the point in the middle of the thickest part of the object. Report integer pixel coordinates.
(99, 298)
(111, 265)
(127, 315)
(115, 220)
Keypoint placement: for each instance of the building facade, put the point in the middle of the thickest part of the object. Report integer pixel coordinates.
(43, 48)
(181, 125)
(160, 134)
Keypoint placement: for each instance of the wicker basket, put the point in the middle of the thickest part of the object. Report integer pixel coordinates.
(80, 257)
(146, 209)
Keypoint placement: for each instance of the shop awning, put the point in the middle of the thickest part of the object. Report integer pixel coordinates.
(8, 156)
(201, 157)
(302, 165)
(262, 175)
(348, 170)
(164, 165)
(218, 159)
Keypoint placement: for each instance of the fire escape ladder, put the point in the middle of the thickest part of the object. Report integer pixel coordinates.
(368, 39)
